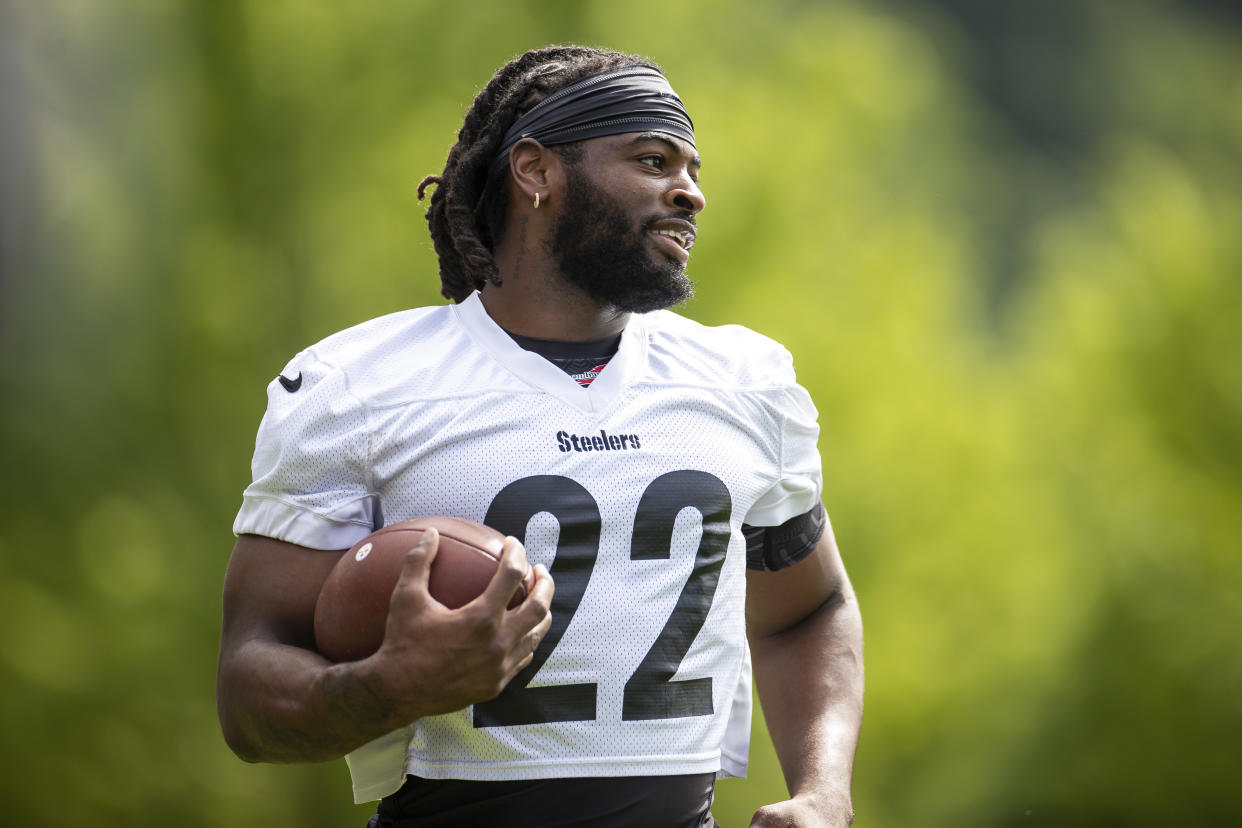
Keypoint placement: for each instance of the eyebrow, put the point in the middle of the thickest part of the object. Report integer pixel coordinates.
(660, 137)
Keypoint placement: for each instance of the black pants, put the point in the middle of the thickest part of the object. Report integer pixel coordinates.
(594, 802)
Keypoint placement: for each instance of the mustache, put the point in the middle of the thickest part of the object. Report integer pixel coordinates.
(687, 217)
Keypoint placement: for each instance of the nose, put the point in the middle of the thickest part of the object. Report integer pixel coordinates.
(686, 195)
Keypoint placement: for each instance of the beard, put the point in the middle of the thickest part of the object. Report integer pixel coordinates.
(599, 252)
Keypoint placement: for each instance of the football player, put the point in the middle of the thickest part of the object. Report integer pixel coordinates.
(662, 474)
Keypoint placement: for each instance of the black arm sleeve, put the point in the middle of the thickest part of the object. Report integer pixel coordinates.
(769, 548)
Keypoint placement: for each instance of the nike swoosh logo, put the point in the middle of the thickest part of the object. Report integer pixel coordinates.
(291, 385)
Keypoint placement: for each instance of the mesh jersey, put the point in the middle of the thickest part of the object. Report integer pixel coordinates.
(632, 490)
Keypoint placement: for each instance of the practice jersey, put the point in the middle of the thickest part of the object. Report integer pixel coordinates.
(632, 491)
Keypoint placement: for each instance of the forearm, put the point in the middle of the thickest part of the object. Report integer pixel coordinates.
(810, 682)
(280, 703)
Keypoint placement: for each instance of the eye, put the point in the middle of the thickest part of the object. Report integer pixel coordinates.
(656, 162)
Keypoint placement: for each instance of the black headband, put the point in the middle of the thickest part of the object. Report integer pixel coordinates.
(630, 99)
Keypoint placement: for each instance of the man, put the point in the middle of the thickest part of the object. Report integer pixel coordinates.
(665, 473)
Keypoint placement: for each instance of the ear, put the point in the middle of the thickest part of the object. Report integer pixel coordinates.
(533, 168)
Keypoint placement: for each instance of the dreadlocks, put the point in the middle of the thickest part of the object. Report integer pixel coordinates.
(467, 210)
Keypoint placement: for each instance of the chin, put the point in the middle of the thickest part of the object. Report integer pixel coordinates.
(653, 298)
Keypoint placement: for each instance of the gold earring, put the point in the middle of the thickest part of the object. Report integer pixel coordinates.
(536, 201)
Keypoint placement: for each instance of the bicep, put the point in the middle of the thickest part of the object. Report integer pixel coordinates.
(270, 590)
(780, 599)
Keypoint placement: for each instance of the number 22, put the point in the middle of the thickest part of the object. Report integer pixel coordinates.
(650, 692)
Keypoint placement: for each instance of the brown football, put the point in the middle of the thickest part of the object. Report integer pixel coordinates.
(352, 609)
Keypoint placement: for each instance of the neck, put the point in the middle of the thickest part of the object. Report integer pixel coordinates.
(553, 313)
(534, 300)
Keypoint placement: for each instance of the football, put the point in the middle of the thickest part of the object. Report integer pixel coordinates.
(352, 608)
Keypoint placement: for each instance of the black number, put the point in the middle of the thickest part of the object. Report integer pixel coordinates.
(577, 547)
(651, 692)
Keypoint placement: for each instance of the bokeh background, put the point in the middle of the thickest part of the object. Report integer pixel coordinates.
(1002, 240)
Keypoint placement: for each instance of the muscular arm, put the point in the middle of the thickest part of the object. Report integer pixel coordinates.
(280, 701)
(805, 635)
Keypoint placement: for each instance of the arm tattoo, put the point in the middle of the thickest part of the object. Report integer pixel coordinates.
(356, 698)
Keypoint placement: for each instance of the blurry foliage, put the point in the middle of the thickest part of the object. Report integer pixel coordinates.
(1002, 241)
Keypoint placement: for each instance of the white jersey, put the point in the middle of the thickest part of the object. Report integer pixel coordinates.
(632, 491)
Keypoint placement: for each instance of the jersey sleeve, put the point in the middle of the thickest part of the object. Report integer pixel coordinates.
(311, 475)
(799, 481)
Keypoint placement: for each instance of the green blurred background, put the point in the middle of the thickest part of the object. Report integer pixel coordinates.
(1002, 240)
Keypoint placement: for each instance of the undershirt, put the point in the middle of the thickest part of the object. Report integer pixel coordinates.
(581, 360)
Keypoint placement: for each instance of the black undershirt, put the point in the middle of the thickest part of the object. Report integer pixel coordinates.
(561, 349)
(581, 360)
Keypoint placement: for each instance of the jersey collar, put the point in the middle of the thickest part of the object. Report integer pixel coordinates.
(533, 369)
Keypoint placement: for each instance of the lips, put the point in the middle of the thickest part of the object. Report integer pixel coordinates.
(678, 231)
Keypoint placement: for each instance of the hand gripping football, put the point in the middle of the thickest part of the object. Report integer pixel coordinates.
(352, 609)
